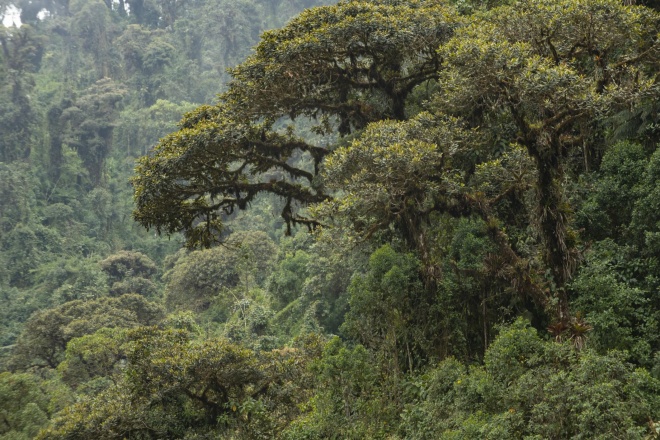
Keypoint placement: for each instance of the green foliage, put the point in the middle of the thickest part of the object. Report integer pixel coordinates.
(90, 120)
(387, 311)
(86, 281)
(21, 245)
(624, 315)
(250, 323)
(146, 53)
(27, 402)
(17, 309)
(349, 64)
(615, 289)
(70, 277)
(374, 173)
(473, 295)
(348, 403)
(233, 28)
(17, 196)
(316, 292)
(47, 333)
(543, 78)
(93, 356)
(172, 196)
(299, 317)
(92, 25)
(530, 389)
(496, 159)
(21, 55)
(199, 277)
(608, 210)
(174, 386)
(138, 129)
(374, 52)
(645, 222)
(131, 272)
(412, 323)
(285, 284)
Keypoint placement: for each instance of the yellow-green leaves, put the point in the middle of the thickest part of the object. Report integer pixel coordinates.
(396, 172)
(347, 65)
(174, 386)
(212, 166)
(544, 75)
(356, 61)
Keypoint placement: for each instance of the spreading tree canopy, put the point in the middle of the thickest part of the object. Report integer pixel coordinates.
(518, 102)
(343, 66)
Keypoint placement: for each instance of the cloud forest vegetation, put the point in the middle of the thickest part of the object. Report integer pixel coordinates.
(307, 219)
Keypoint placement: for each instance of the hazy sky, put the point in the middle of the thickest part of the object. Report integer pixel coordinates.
(12, 16)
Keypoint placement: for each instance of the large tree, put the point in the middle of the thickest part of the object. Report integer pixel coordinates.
(21, 51)
(343, 66)
(519, 100)
(525, 104)
(546, 76)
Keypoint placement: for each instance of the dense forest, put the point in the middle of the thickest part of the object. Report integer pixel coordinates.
(303, 219)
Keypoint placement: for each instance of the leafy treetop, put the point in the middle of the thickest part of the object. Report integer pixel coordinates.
(348, 64)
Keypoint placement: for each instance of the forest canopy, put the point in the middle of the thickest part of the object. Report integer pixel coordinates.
(385, 219)
(516, 103)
